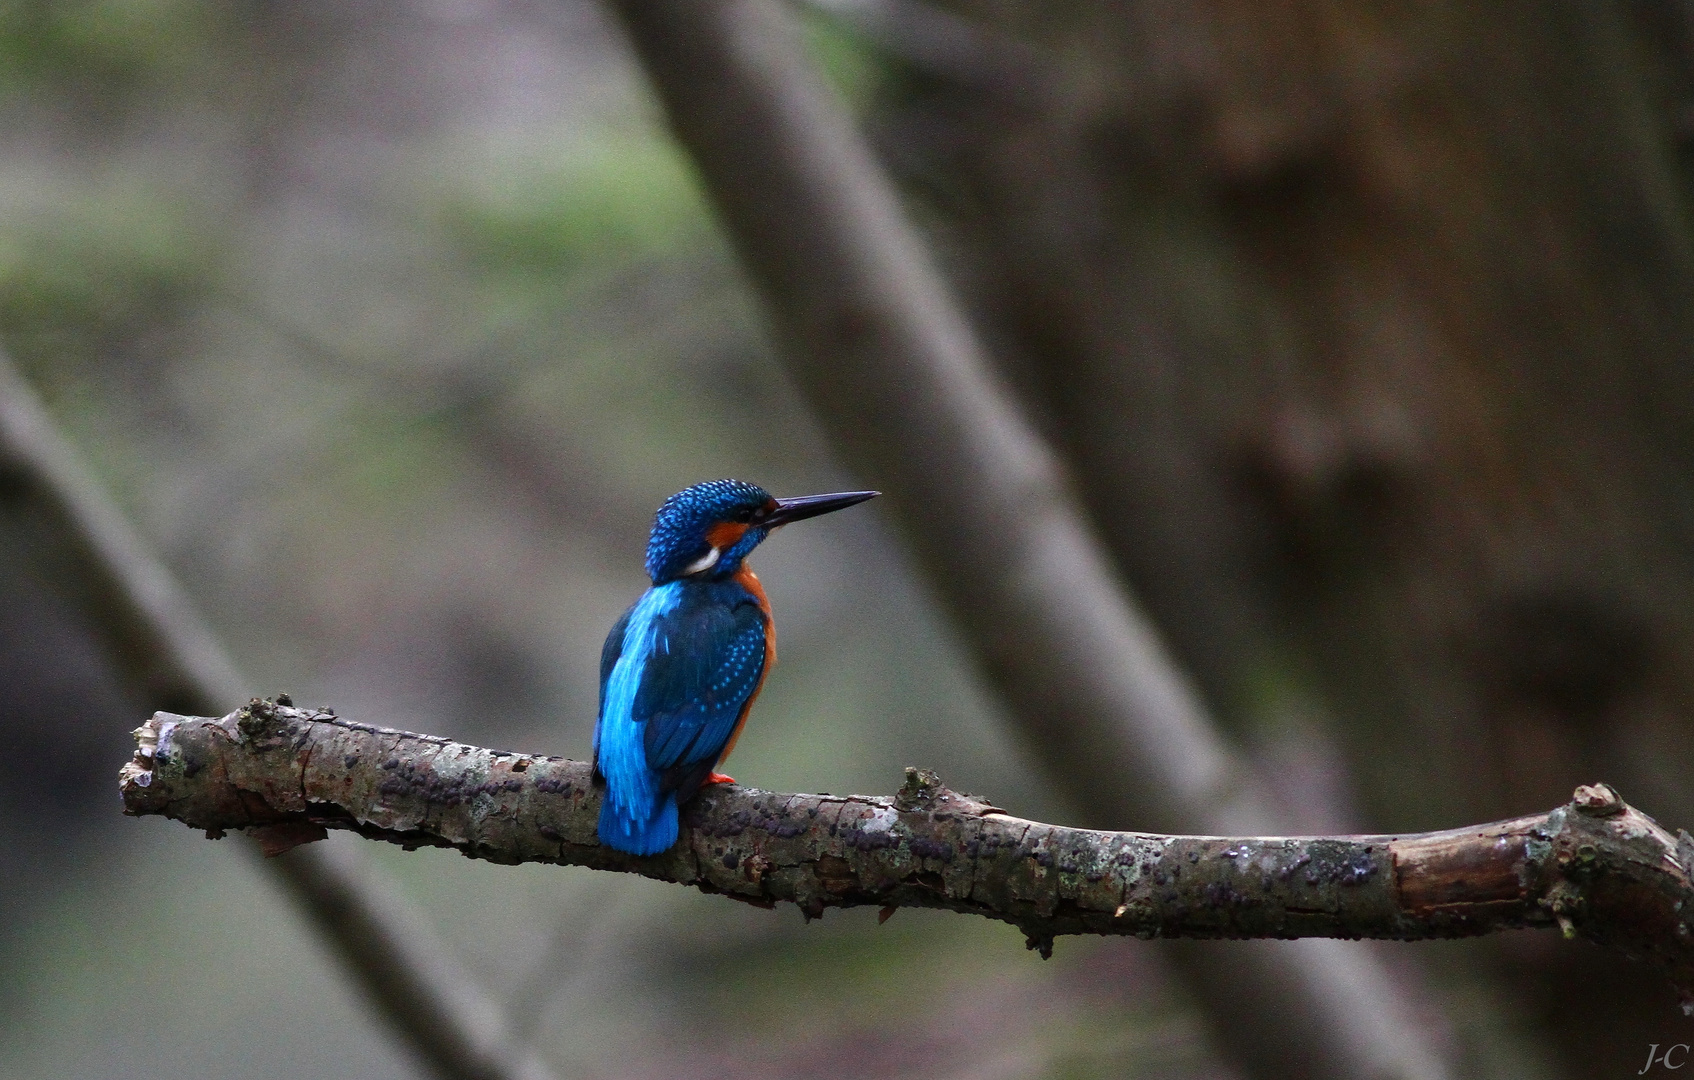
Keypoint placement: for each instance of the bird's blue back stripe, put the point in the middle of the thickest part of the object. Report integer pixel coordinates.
(632, 788)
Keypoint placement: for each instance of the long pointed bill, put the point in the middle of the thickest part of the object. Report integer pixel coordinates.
(806, 506)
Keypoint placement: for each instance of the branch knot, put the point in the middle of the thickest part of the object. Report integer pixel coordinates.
(924, 792)
(1598, 800)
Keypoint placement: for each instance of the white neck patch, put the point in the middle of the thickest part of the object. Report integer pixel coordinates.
(703, 563)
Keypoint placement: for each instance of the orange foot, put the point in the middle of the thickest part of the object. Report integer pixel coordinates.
(717, 778)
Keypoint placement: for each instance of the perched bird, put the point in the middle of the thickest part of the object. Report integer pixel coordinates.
(680, 670)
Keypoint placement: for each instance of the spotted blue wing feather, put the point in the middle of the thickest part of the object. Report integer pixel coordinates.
(689, 657)
(694, 694)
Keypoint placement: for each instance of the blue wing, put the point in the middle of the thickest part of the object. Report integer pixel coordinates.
(676, 675)
(707, 661)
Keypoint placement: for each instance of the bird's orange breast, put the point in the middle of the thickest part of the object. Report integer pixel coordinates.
(748, 580)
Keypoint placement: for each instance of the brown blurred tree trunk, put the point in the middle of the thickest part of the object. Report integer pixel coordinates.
(1368, 329)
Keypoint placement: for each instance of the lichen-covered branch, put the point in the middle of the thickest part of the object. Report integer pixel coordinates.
(1596, 867)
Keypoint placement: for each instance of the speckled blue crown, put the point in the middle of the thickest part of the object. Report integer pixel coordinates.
(679, 528)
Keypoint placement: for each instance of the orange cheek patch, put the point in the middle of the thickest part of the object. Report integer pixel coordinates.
(724, 534)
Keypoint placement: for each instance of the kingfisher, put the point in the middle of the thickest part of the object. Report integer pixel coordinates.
(679, 672)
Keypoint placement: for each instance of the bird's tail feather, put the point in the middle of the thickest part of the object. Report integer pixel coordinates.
(637, 837)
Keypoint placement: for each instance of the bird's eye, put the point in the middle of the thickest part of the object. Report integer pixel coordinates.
(747, 515)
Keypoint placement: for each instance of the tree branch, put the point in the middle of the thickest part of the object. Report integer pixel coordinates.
(1596, 868)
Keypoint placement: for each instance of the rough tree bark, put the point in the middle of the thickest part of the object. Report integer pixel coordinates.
(1595, 867)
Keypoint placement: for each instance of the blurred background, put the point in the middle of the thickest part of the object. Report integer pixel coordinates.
(1365, 330)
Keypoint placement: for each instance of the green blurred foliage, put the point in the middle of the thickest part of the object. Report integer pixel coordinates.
(617, 201)
(857, 70)
(85, 278)
(108, 51)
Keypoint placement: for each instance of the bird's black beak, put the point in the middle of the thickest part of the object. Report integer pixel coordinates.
(806, 506)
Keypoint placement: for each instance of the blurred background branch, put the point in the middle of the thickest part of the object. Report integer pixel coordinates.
(388, 948)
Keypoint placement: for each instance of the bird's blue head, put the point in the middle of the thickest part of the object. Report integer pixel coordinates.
(706, 530)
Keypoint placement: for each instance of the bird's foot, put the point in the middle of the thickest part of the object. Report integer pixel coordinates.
(717, 778)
